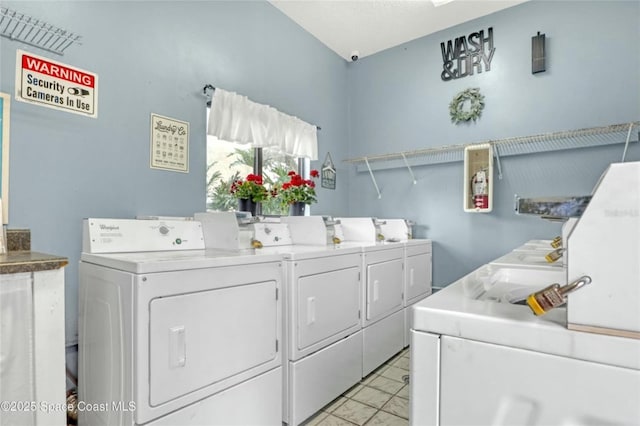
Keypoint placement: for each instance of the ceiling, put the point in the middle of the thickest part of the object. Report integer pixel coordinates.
(369, 26)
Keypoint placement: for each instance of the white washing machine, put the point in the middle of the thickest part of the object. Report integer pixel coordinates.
(322, 293)
(382, 291)
(529, 258)
(172, 334)
(479, 357)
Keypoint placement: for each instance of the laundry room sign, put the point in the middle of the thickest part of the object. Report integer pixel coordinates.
(169, 144)
(466, 55)
(52, 84)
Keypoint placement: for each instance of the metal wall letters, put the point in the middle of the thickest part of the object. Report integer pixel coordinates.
(467, 54)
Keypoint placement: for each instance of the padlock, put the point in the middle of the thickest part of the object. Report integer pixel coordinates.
(546, 299)
(556, 242)
(553, 296)
(554, 255)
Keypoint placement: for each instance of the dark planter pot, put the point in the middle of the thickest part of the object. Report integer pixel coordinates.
(247, 205)
(296, 209)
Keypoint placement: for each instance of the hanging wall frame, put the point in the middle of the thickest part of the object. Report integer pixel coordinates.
(478, 178)
(328, 173)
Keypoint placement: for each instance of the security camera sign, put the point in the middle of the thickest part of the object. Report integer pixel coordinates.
(55, 85)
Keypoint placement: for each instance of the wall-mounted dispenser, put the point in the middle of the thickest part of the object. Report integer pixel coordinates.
(478, 178)
(538, 63)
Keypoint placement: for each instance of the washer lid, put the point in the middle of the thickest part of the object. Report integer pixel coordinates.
(459, 310)
(150, 262)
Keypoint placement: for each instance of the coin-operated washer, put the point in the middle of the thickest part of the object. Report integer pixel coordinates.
(605, 244)
(417, 266)
(322, 337)
(546, 254)
(578, 363)
(170, 333)
(382, 290)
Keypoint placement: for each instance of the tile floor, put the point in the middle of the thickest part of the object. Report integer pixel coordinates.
(382, 398)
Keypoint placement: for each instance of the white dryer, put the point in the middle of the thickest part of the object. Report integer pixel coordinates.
(323, 331)
(172, 334)
(382, 291)
(417, 267)
(322, 292)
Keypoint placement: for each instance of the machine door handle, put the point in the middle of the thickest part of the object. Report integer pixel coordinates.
(177, 347)
(311, 310)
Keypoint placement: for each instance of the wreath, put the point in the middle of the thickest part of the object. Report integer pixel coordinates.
(456, 107)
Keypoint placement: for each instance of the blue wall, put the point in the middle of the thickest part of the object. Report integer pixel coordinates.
(398, 102)
(155, 57)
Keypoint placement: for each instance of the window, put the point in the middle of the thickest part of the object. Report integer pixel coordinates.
(226, 162)
(229, 161)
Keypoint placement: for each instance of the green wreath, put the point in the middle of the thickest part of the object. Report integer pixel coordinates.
(456, 106)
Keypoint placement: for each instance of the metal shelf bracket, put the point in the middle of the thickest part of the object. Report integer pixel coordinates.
(497, 155)
(406, 163)
(373, 178)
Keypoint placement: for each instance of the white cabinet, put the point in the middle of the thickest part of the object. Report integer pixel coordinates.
(32, 352)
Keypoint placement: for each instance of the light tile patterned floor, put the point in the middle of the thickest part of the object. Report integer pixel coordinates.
(380, 399)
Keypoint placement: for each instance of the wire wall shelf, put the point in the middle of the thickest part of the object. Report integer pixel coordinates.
(573, 139)
(32, 31)
(583, 138)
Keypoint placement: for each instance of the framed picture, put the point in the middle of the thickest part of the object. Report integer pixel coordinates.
(328, 173)
(5, 108)
(169, 144)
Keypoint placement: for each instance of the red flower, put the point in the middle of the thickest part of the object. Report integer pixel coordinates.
(296, 180)
(254, 178)
(251, 188)
(298, 189)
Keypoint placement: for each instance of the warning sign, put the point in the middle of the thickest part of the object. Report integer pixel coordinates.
(52, 84)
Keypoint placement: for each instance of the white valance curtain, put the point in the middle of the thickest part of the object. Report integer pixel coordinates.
(235, 118)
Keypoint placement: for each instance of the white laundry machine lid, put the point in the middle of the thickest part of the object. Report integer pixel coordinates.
(464, 310)
(150, 262)
(301, 252)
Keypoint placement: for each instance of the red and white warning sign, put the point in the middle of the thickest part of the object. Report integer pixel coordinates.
(52, 84)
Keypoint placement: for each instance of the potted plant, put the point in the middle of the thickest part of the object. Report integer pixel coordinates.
(297, 192)
(249, 192)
